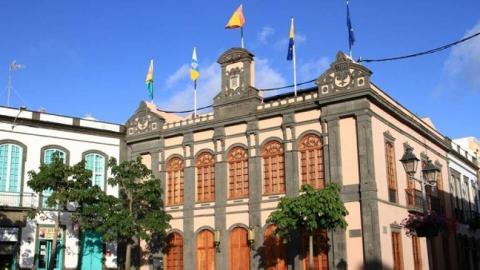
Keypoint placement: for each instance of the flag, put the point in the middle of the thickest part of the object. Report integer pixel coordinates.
(194, 73)
(237, 20)
(291, 42)
(149, 80)
(351, 36)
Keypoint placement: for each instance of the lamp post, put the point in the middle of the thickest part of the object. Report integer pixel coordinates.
(427, 178)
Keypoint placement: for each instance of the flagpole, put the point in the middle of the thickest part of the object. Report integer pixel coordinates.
(349, 31)
(241, 37)
(294, 67)
(194, 98)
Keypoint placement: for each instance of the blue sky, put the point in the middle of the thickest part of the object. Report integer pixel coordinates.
(91, 57)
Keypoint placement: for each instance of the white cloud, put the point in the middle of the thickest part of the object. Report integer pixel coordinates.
(208, 86)
(265, 34)
(312, 69)
(266, 76)
(179, 75)
(463, 63)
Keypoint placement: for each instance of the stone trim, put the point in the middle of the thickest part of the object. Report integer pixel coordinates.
(394, 227)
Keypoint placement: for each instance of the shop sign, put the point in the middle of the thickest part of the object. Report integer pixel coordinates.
(48, 233)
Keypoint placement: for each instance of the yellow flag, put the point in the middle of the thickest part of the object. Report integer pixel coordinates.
(237, 20)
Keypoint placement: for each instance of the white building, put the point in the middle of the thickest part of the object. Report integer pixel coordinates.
(27, 139)
(465, 197)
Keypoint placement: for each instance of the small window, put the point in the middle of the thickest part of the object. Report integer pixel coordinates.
(11, 163)
(96, 164)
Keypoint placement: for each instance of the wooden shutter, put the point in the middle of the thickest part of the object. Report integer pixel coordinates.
(273, 168)
(175, 181)
(205, 164)
(275, 251)
(174, 254)
(238, 173)
(391, 171)
(397, 251)
(239, 249)
(311, 159)
(417, 255)
(205, 251)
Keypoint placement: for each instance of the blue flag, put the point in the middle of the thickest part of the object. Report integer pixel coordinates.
(351, 36)
(291, 42)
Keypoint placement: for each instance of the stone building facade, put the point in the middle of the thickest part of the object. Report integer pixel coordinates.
(224, 172)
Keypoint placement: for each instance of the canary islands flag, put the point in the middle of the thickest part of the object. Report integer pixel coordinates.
(149, 80)
(194, 73)
(291, 42)
(237, 20)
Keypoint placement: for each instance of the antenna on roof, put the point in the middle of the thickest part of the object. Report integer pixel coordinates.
(11, 68)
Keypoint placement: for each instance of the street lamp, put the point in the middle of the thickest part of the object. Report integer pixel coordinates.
(428, 177)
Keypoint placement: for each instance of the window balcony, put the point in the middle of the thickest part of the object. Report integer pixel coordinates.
(13, 200)
(414, 200)
(436, 204)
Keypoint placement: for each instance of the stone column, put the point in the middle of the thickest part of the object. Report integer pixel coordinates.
(254, 192)
(368, 193)
(221, 189)
(189, 254)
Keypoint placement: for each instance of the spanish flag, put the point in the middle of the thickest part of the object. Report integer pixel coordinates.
(237, 20)
(194, 73)
(149, 80)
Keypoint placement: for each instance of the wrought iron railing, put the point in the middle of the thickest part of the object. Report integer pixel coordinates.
(14, 199)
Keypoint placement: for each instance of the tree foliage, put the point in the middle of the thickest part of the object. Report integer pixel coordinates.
(312, 210)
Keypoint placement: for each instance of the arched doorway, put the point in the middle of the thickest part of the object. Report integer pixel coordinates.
(205, 250)
(239, 249)
(275, 251)
(174, 252)
(320, 250)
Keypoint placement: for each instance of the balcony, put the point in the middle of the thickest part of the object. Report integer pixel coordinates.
(10, 200)
(436, 204)
(414, 200)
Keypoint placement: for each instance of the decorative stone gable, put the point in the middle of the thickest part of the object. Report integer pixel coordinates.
(144, 121)
(238, 95)
(343, 75)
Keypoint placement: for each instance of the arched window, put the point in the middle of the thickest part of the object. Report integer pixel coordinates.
(205, 164)
(391, 172)
(96, 164)
(275, 251)
(311, 160)
(239, 249)
(320, 250)
(11, 167)
(175, 181)
(48, 154)
(174, 252)
(273, 168)
(205, 250)
(238, 173)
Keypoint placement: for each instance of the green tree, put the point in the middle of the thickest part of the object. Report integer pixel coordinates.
(67, 184)
(138, 213)
(310, 211)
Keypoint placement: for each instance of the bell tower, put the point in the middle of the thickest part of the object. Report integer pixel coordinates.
(238, 95)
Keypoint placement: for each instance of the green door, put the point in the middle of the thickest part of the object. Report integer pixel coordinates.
(92, 251)
(45, 252)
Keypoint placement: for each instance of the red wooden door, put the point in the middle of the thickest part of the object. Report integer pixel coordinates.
(320, 250)
(239, 249)
(205, 251)
(275, 251)
(174, 254)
